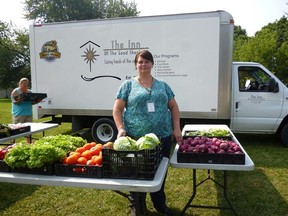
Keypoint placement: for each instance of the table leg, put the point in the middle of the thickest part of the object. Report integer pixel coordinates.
(194, 187)
(193, 194)
(140, 210)
(225, 193)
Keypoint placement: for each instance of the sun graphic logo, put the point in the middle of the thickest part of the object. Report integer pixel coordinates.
(49, 51)
(90, 53)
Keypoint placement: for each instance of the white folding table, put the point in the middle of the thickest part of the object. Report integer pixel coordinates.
(35, 128)
(96, 183)
(248, 166)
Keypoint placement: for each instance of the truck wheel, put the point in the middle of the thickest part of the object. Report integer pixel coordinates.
(284, 135)
(104, 130)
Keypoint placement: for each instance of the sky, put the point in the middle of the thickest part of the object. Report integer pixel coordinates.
(251, 15)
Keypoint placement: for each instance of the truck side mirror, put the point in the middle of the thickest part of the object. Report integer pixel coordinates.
(273, 86)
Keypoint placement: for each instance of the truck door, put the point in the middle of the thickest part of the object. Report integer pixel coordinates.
(257, 100)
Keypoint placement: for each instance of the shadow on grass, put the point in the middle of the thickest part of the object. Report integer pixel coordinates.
(258, 192)
(251, 193)
(266, 151)
(12, 193)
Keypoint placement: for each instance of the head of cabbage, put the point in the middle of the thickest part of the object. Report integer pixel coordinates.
(125, 143)
(149, 141)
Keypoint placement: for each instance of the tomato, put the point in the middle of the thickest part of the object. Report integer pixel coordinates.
(80, 150)
(82, 160)
(90, 163)
(93, 144)
(72, 159)
(88, 146)
(64, 161)
(77, 154)
(95, 150)
(87, 154)
(97, 160)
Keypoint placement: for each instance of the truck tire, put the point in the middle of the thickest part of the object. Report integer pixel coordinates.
(104, 130)
(284, 135)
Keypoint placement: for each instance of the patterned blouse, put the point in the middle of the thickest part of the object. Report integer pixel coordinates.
(146, 109)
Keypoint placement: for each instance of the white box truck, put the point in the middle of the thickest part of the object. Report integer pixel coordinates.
(81, 64)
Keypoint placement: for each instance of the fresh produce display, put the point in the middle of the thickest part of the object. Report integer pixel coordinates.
(46, 150)
(88, 154)
(125, 143)
(8, 127)
(209, 145)
(65, 142)
(12, 129)
(66, 155)
(212, 132)
(18, 155)
(4, 128)
(148, 141)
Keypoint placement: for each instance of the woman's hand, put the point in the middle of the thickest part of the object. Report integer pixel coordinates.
(178, 135)
(121, 132)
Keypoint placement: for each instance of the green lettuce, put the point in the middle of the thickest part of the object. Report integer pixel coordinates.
(149, 141)
(125, 144)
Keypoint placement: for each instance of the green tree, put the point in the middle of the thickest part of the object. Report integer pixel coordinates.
(240, 38)
(69, 10)
(269, 47)
(14, 55)
(281, 47)
(14, 43)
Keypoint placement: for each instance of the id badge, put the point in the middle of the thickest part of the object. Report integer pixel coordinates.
(150, 107)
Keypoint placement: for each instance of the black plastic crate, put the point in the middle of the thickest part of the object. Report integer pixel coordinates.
(45, 170)
(214, 158)
(22, 129)
(78, 170)
(12, 132)
(141, 164)
(31, 96)
(4, 134)
(4, 167)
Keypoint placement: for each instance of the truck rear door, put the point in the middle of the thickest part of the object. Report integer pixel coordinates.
(255, 107)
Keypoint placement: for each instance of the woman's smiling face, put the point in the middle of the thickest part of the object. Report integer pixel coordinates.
(144, 65)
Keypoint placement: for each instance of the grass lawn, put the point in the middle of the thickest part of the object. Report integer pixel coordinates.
(262, 192)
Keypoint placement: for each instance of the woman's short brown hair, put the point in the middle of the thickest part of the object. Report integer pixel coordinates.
(144, 54)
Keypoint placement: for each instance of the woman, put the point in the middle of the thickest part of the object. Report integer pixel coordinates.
(147, 105)
(22, 110)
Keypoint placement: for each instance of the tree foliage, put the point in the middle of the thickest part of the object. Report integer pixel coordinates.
(240, 39)
(69, 10)
(14, 43)
(269, 47)
(14, 55)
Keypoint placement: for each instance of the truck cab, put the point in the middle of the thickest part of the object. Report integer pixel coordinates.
(259, 101)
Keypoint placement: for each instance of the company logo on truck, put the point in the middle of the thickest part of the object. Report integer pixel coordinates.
(90, 53)
(49, 51)
(90, 56)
